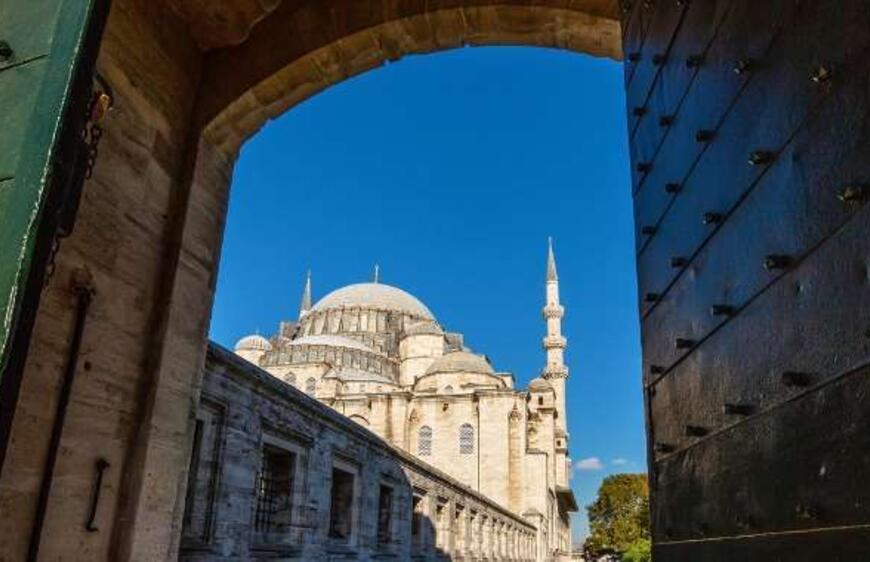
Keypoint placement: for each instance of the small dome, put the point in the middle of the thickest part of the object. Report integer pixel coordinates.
(461, 362)
(540, 385)
(374, 295)
(254, 342)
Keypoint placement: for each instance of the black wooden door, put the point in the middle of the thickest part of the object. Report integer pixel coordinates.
(750, 137)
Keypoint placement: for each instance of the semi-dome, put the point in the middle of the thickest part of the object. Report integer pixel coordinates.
(540, 385)
(460, 362)
(374, 295)
(254, 342)
(333, 341)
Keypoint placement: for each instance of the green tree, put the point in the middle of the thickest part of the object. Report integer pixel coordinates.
(619, 517)
(639, 551)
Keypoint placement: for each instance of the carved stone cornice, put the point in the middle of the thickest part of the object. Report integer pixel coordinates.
(555, 373)
(554, 342)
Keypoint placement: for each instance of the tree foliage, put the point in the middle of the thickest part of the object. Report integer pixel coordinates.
(619, 517)
(638, 551)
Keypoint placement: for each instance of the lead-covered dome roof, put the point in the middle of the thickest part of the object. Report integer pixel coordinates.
(253, 342)
(461, 362)
(540, 385)
(374, 295)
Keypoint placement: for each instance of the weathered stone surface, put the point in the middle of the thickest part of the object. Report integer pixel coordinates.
(219, 23)
(248, 407)
(247, 85)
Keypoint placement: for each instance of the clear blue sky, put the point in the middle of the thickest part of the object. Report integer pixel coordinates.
(450, 170)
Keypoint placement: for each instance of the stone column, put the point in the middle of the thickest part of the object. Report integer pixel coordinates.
(471, 544)
(501, 541)
(458, 530)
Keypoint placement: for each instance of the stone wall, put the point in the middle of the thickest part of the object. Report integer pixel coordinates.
(244, 409)
(119, 247)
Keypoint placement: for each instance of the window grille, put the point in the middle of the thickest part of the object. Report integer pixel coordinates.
(202, 475)
(341, 505)
(385, 515)
(274, 489)
(424, 441)
(192, 474)
(466, 439)
(310, 385)
(291, 379)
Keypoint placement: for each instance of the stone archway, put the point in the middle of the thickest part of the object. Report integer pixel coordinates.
(286, 74)
(271, 75)
(192, 80)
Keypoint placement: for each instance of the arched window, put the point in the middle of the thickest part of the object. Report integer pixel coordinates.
(448, 389)
(424, 441)
(466, 439)
(310, 385)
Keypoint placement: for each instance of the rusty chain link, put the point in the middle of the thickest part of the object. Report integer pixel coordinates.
(100, 105)
(91, 134)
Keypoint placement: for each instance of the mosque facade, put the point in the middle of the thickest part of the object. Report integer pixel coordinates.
(378, 355)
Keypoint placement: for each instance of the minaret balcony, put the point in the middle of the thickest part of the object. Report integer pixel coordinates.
(553, 311)
(555, 372)
(555, 342)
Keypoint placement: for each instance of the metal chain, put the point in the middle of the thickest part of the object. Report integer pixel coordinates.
(96, 133)
(91, 134)
(100, 105)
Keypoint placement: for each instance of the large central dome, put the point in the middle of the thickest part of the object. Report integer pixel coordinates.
(374, 295)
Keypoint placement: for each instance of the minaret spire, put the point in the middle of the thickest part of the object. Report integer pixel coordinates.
(377, 276)
(554, 342)
(305, 305)
(551, 262)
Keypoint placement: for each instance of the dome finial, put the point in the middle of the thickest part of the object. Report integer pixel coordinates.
(305, 305)
(377, 276)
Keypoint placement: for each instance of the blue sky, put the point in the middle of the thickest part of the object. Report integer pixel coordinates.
(450, 170)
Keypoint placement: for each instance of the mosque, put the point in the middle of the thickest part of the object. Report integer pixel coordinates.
(379, 356)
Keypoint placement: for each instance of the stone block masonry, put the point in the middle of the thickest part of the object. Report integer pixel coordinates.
(276, 474)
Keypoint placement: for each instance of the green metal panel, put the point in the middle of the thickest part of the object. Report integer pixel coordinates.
(17, 101)
(40, 81)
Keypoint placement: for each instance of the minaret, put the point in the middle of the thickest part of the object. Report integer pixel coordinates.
(554, 342)
(305, 305)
